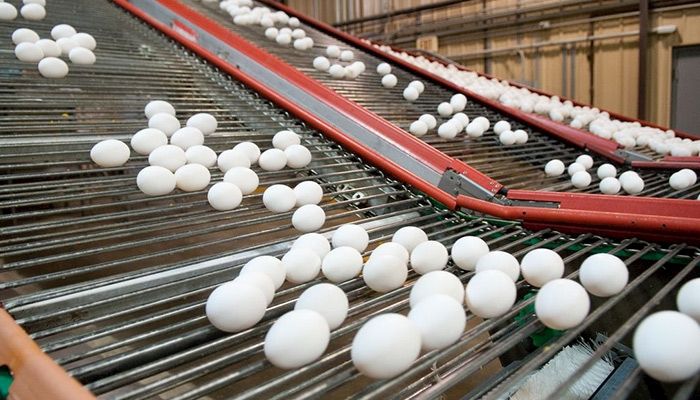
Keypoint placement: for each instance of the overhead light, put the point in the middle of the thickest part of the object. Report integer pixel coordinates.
(665, 29)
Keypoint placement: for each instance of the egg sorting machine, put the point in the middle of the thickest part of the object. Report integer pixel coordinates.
(110, 284)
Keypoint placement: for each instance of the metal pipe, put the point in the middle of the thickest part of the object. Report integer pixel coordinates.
(642, 74)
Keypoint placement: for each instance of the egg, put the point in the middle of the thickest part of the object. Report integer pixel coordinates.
(158, 106)
(666, 346)
(581, 179)
(385, 346)
(308, 192)
(501, 261)
(279, 198)
(409, 237)
(336, 71)
(66, 45)
(224, 196)
(574, 168)
(62, 31)
(448, 130)
(467, 251)
(8, 12)
(554, 168)
(250, 149)
(293, 22)
(192, 177)
(490, 293)
(164, 122)
(24, 35)
(244, 178)
(110, 153)
(501, 126)
(296, 339)
(205, 122)
(30, 52)
(688, 299)
(507, 138)
(268, 265)
(326, 299)
(351, 235)
(52, 67)
(49, 47)
(200, 154)
(540, 266)
(418, 128)
(261, 281)
(606, 171)
(271, 33)
(304, 43)
(168, 156)
(333, 51)
(437, 282)
(634, 184)
(429, 256)
(691, 174)
(677, 181)
(458, 102)
(585, 160)
(418, 85)
(283, 39)
(389, 80)
(321, 63)
(155, 181)
(187, 137)
(391, 249)
(301, 265)
(440, 319)
(85, 40)
(521, 137)
(147, 140)
(603, 275)
(444, 109)
(298, 33)
(346, 55)
(474, 129)
(562, 304)
(33, 12)
(609, 185)
(462, 119)
(384, 273)
(410, 93)
(308, 218)
(429, 120)
(315, 242)
(233, 307)
(81, 56)
(383, 69)
(297, 156)
(232, 158)
(342, 264)
(284, 139)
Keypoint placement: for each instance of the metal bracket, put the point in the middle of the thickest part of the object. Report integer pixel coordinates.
(630, 155)
(455, 184)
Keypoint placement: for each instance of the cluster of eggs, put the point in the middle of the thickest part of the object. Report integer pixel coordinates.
(337, 70)
(599, 123)
(77, 46)
(389, 80)
(31, 10)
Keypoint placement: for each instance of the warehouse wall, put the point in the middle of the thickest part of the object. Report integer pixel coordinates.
(603, 72)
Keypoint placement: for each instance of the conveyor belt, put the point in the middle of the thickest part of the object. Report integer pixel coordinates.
(516, 167)
(111, 283)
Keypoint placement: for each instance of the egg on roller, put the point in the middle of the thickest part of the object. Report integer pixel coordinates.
(603, 275)
(271, 33)
(467, 250)
(24, 35)
(168, 156)
(245, 178)
(313, 241)
(326, 299)
(342, 264)
(233, 307)
(200, 154)
(384, 273)
(308, 218)
(383, 69)
(429, 256)
(81, 56)
(418, 128)
(53, 67)
(389, 80)
(8, 12)
(272, 160)
(501, 261)
(192, 177)
(164, 122)
(249, 148)
(562, 304)
(333, 51)
(33, 12)
(321, 63)
(284, 139)
(490, 293)
(351, 235)
(437, 282)
(232, 158)
(187, 137)
(585, 160)
(410, 93)
(62, 31)
(259, 280)
(606, 171)
(297, 155)
(158, 106)
(440, 319)
(155, 181)
(268, 265)
(409, 237)
(66, 45)
(49, 47)
(205, 122)
(85, 40)
(147, 140)
(110, 153)
(308, 192)
(391, 249)
(688, 299)
(501, 126)
(581, 179)
(279, 198)
(554, 168)
(418, 85)
(337, 71)
(224, 196)
(301, 265)
(29, 52)
(540, 266)
(296, 339)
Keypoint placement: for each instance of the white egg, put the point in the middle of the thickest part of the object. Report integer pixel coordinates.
(187, 137)
(40, 2)
(574, 168)
(437, 282)
(244, 178)
(232, 158)
(326, 299)
(458, 102)
(85, 40)
(554, 168)
(31, 52)
(389, 80)
(336, 71)
(346, 55)
(315, 242)
(429, 256)
(691, 174)
(66, 45)
(501, 261)
(444, 109)
(351, 235)
(581, 179)
(293, 22)
(300, 44)
(391, 249)
(233, 307)
(110, 153)
(418, 128)
(383, 69)
(474, 129)
(342, 264)
(205, 122)
(688, 299)
(286, 31)
(284, 139)
(467, 251)
(62, 31)
(261, 281)
(666, 346)
(202, 155)
(301, 265)
(283, 39)
(410, 93)
(679, 181)
(49, 47)
(272, 160)
(81, 56)
(168, 156)
(298, 156)
(634, 184)
(298, 33)
(540, 266)
(308, 192)
(164, 122)
(158, 106)
(33, 12)
(384, 273)
(147, 140)
(490, 294)
(24, 35)
(462, 118)
(279, 198)
(155, 181)
(420, 87)
(562, 304)
(333, 51)
(507, 138)
(271, 33)
(192, 177)
(321, 63)
(448, 130)
(440, 319)
(8, 12)
(585, 160)
(268, 265)
(483, 123)
(609, 185)
(521, 136)
(603, 275)
(501, 126)
(308, 218)
(224, 196)
(409, 237)
(52, 67)
(606, 171)
(249, 148)
(429, 120)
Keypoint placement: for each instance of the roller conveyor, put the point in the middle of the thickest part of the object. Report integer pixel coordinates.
(111, 284)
